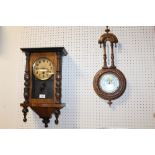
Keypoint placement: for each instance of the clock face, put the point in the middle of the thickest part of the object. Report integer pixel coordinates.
(43, 69)
(109, 83)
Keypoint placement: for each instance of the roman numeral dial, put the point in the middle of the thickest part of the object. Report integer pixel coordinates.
(43, 68)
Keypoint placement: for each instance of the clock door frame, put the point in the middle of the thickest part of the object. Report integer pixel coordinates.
(52, 57)
(43, 107)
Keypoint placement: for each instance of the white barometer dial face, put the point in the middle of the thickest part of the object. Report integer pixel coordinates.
(43, 69)
(109, 83)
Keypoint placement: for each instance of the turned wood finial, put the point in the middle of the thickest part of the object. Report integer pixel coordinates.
(110, 103)
(107, 29)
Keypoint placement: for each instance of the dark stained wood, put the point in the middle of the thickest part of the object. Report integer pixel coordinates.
(112, 56)
(104, 56)
(51, 56)
(112, 69)
(26, 86)
(57, 114)
(61, 50)
(109, 96)
(43, 107)
(27, 78)
(107, 37)
(58, 79)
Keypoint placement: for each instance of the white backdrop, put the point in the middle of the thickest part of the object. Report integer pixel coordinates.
(84, 109)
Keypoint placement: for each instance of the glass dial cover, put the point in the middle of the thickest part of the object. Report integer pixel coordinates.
(43, 68)
(109, 83)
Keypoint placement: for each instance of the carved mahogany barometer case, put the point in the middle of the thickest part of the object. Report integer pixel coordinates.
(109, 83)
(42, 91)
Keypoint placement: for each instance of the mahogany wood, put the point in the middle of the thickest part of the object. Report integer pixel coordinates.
(112, 69)
(43, 107)
(109, 96)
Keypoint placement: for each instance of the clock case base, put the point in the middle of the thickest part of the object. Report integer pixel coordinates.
(44, 110)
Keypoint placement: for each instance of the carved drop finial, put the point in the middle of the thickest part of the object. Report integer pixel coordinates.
(46, 120)
(57, 113)
(110, 103)
(25, 111)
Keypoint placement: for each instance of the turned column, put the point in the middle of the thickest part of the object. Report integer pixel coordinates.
(26, 86)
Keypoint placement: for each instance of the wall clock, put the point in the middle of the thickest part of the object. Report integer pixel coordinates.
(42, 91)
(109, 82)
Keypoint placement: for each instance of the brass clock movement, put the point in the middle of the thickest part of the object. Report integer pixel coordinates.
(109, 83)
(42, 91)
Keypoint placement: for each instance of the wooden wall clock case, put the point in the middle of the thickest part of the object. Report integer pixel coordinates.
(42, 86)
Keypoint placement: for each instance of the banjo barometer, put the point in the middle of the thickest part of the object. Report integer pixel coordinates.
(109, 82)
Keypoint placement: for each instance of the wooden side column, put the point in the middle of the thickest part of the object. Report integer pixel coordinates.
(58, 78)
(58, 85)
(104, 56)
(112, 56)
(26, 87)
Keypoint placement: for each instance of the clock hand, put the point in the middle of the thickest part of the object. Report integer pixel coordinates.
(43, 69)
(109, 80)
(50, 72)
